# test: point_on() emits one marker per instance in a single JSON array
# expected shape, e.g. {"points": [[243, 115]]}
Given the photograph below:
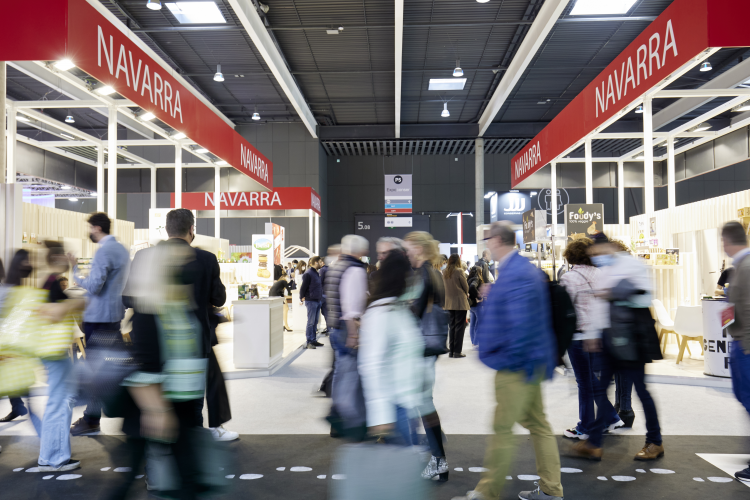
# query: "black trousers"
{"points": [[456, 332], [93, 412], [219, 411]]}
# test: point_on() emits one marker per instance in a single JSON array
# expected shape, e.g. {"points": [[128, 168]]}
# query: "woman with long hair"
{"points": [[422, 250], [456, 303], [475, 301]]}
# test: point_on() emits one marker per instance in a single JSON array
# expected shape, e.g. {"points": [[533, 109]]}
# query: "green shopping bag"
{"points": [[16, 375]]}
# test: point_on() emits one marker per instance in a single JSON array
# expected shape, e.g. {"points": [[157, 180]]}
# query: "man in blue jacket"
{"points": [[311, 294], [515, 338], [104, 308]]}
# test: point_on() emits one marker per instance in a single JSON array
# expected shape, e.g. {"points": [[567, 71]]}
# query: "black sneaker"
{"points": [[310, 346], [743, 475], [83, 426], [10, 416], [316, 343], [70, 465]]}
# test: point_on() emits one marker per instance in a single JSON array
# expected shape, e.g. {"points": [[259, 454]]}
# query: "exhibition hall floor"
{"points": [[280, 420]]}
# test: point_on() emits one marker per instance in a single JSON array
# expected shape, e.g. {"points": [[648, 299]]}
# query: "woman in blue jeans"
{"points": [[475, 301], [579, 282]]}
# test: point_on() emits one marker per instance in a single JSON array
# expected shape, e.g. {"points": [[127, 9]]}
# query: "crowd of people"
{"points": [[387, 324]]}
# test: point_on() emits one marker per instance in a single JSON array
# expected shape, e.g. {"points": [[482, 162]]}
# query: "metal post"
{"points": [[553, 198], [621, 192], [479, 190], [589, 172], [153, 186], [317, 234], [100, 177], [112, 163], [177, 176], [648, 154], [217, 202], [11, 153], [310, 230], [671, 197]]}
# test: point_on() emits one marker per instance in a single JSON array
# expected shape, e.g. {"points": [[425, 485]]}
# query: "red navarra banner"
{"points": [[96, 42], [680, 34], [290, 198]]}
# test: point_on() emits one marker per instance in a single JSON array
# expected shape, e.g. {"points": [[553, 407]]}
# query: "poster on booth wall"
{"points": [[584, 220], [279, 246], [534, 225], [262, 266]]}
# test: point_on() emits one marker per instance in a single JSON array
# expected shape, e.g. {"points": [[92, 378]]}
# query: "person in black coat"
{"points": [[208, 292]]}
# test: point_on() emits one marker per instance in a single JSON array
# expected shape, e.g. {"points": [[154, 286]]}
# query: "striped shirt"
{"points": [[580, 283]]}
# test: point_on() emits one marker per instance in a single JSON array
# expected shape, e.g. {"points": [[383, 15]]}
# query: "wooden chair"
{"points": [[688, 324], [664, 324]]}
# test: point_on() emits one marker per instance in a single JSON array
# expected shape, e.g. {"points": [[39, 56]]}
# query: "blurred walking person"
{"points": [[104, 308], [516, 339], [391, 354], [333, 253], [627, 341], [735, 245], [456, 303], [422, 250], [311, 294], [346, 292], [579, 282], [475, 282]]}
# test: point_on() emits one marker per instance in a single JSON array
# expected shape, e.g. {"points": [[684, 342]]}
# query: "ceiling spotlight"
{"points": [[201, 151], [706, 66], [64, 65], [178, 135], [483, 1], [147, 116], [445, 113], [701, 127], [256, 115], [65, 187], [70, 119], [105, 90], [68, 136], [458, 71], [73, 199], [639, 109], [745, 106], [221, 163], [22, 118], [218, 77], [154, 4], [640, 157]]}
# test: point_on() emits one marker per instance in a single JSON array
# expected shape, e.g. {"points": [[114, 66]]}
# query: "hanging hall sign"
{"points": [[668, 45], [398, 194], [288, 198], [85, 32]]}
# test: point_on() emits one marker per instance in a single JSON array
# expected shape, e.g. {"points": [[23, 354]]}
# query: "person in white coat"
{"points": [[391, 354]]}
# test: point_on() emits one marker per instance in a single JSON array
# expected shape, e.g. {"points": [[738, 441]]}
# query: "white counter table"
{"points": [[258, 332], [716, 340]]}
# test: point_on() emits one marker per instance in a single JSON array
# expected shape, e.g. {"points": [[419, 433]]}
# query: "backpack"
{"points": [[564, 320]]}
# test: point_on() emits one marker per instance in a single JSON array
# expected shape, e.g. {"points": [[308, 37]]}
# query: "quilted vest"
{"points": [[331, 287]]}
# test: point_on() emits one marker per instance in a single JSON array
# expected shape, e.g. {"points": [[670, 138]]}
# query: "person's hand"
{"points": [[301, 301], [159, 424], [72, 259], [484, 290], [592, 345]]}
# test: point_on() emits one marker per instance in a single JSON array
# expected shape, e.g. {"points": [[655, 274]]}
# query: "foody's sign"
{"points": [[584, 221]]}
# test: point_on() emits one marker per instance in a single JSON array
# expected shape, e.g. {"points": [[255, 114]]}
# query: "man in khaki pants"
{"points": [[515, 338]]}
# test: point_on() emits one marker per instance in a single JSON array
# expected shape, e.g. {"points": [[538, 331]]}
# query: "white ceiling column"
{"points": [[589, 174], [153, 187], [399, 42], [11, 144], [310, 231], [317, 234], [621, 191], [648, 154], [112, 163], [553, 196], [671, 196], [251, 21], [217, 202], [177, 176], [545, 20], [100, 178]]}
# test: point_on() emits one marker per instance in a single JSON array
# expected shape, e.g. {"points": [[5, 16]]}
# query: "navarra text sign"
{"points": [[290, 198], [681, 33]]}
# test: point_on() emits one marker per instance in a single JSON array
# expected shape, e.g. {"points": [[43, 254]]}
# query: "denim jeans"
{"points": [[405, 427], [739, 364], [55, 428], [93, 412], [474, 324], [313, 316], [324, 312], [347, 395], [623, 391], [605, 365], [583, 368]]}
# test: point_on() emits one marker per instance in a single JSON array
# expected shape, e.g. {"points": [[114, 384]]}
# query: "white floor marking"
{"points": [[623, 478], [477, 469], [528, 477], [18, 469], [300, 469], [322, 476], [251, 476], [570, 470], [140, 476], [601, 478], [47, 477], [338, 476], [509, 478], [699, 479], [641, 471], [662, 471], [727, 462], [105, 469], [33, 469], [281, 468], [721, 479], [230, 476], [68, 477], [459, 469], [123, 469]]}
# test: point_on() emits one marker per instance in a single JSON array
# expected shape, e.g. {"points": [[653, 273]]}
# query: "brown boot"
{"points": [[650, 452], [584, 449]]}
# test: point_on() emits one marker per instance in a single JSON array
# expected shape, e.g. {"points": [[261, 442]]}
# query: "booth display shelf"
{"points": [[258, 332]]}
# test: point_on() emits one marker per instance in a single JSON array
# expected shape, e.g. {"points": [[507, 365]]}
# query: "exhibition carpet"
{"points": [[681, 474]]}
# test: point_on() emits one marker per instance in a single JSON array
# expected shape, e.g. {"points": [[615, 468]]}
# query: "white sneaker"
{"points": [[616, 425], [221, 434]]}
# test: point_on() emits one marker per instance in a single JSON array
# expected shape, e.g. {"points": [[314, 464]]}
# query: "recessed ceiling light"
{"points": [[639, 109], [178, 136], [640, 157], [221, 163], [601, 7], [196, 12], [201, 151], [73, 199], [483, 1], [706, 66], [65, 187], [700, 128], [105, 90], [147, 116], [64, 65], [745, 106], [67, 136], [447, 83], [332, 32]]}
